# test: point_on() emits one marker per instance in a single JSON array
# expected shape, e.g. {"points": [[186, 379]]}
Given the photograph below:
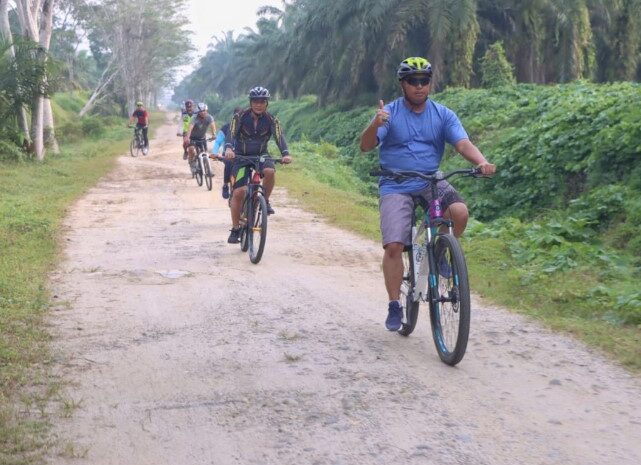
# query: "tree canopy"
{"points": [[347, 50]]}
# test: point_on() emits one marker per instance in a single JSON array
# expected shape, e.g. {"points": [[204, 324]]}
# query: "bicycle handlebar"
{"points": [[252, 158], [437, 176]]}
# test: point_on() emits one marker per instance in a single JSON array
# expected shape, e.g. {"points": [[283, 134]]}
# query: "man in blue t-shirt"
{"points": [[411, 133]]}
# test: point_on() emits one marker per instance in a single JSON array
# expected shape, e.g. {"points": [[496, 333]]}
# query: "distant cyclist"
{"points": [[141, 116], [249, 133], [187, 111], [217, 149], [411, 133], [196, 135]]}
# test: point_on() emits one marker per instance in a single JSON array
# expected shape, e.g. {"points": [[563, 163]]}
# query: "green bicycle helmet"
{"points": [[139, 103], [414, 66]]}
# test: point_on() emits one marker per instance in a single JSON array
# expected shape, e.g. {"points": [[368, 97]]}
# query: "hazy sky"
{"points": [[213, 17]]}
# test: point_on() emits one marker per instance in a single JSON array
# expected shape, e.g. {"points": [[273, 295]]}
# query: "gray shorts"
{"points": [[396, 211]]}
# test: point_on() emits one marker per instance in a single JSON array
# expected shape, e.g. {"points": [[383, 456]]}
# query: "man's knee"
{"points": [[394, 249], [458, 212], [191, 152], [269, 173], [239, 192]]}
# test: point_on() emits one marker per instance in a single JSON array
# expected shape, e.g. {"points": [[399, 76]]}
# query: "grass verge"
{"points": [[327, 187], [564, 301], [33, 201]]}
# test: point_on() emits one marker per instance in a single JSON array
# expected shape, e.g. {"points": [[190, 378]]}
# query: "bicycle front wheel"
{"points": [[245, 220], [257, 229], [199, 172], [208, 174], [133, 148], [450, 300]]}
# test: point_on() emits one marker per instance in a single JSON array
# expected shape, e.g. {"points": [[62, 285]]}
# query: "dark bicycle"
{"points": [[435, 272], [253, 216], [137, 145]]}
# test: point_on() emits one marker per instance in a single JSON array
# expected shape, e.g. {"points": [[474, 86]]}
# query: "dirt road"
{"points": [[179, 351]]}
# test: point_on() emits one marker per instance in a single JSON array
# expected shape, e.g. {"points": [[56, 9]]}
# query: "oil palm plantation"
{"points": [[347, 50]]}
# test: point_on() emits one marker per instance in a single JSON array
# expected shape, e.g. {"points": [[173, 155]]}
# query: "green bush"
{"points": [[496, 70], [92, 126], [10, 152], [69, 132]]}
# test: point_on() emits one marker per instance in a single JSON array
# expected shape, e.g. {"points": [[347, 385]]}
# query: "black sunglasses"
{"points": [[415, 81]]}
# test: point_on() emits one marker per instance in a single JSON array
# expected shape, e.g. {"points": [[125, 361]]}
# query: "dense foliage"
{"points": [[347, 50], [21, 80]]}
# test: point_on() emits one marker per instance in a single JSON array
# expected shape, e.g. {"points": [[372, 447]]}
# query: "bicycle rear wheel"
{"points": [[208, 174], [257, 229], [407, 294], [450, 300]]}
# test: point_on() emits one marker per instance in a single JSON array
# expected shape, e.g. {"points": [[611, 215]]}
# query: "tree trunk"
{"points": [[98, 91], [46, 28], [5, 33], [49, 134], [37, 129], [28, 12]]}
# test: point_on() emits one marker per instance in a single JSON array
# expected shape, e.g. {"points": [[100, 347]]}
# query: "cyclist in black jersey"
{"points": [[249, 133]]}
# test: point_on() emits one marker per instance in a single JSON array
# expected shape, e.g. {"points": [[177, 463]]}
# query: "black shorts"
{"points": [[200, 144], [241, 172]]}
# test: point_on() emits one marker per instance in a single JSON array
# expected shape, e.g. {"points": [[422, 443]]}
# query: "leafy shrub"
{"points": [[69, 132], [10, 152], [92, 126], [496, 70], [327, 150]]}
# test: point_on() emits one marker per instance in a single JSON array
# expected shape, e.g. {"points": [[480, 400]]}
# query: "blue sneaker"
{"points": [[444, 268], [394, 316], [225, 191]]}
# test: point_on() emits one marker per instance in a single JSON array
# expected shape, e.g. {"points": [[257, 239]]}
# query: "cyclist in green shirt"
{"points": [[187, 111]]}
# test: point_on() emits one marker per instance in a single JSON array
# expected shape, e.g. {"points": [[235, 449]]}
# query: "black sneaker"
{"points": [[234, 236], [270, 210], [225, 191]]}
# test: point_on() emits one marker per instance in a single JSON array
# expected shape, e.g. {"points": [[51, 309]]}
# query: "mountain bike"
{"points": [[435, 272], [137, 145], [200, 166], [253, 216]]}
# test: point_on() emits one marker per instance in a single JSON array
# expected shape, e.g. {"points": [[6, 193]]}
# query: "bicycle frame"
{"points": [[138, 136], [201, 160], [431, 223]]}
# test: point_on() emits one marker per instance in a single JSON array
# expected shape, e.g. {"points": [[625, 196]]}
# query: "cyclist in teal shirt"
{"points": [[219, 145], [411, 133]]}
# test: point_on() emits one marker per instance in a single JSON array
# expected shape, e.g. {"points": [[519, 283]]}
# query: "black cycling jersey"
{"points": [[249, 138]]}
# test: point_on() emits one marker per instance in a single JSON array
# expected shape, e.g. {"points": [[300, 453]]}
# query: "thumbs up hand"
{"points": [[382, 116]]}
